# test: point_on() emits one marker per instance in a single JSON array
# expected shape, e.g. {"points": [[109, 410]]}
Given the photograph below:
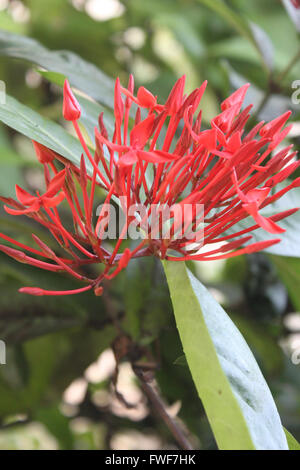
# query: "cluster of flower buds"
{"points": [[158, 155]]}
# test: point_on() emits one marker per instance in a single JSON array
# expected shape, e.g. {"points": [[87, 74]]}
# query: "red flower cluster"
{"points": [[224, 168]]}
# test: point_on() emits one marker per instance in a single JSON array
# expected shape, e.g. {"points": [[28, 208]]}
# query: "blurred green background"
{"points": [[56, 390]]}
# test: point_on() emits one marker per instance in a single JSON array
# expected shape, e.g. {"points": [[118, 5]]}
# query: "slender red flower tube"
{"points": [[155, 169]]}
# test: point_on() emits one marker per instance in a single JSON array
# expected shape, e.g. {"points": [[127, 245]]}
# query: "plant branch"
{"points": [[124, 347], [160, 407], [275, 84]]}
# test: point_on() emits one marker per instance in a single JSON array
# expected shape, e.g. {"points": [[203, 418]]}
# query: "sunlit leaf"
{"points": [[33, 125], [293, 444], [236, 398]]}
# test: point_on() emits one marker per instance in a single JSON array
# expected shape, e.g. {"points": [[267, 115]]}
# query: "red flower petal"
{"points": [[224, 120], [145, 98], [35, 207], [236, 99], [119, 105], [53, 201], [56, 184], [157, 156], [141, 132], [263, 222], [175, 98], [128, 159], [24, 197]]}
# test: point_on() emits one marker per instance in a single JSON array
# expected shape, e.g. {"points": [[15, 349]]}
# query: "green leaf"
{"points": [[237, 400], [293, 444], [263, 345], [11, 166], [184, 31], [52, 135], [46, 132], [57, 424], [49, 364], [40, 361], [240, 24], [24, 317], [34, 126], [81, 74], [181, 361], [136, 291], [289, 272]]}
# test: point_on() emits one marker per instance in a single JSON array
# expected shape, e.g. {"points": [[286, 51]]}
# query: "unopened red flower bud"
{"points": [[175, 99], [44, 154], [16, 254], [98, 291], [36, 291], [118, 103], [102, 127], [71, 107], [83, 173]]}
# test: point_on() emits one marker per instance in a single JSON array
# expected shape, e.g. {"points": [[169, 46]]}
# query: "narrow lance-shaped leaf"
{"points": [[33, 125], [236, 398], [81, 74], [59, 65], [52, 135]]}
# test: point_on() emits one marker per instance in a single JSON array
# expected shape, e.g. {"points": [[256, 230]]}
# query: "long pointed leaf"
{"points": [[237, 400], [33, 125], [81, 74]]}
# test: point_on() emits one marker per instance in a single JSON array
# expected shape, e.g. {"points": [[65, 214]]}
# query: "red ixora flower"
{"points": [[166, 159]]}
